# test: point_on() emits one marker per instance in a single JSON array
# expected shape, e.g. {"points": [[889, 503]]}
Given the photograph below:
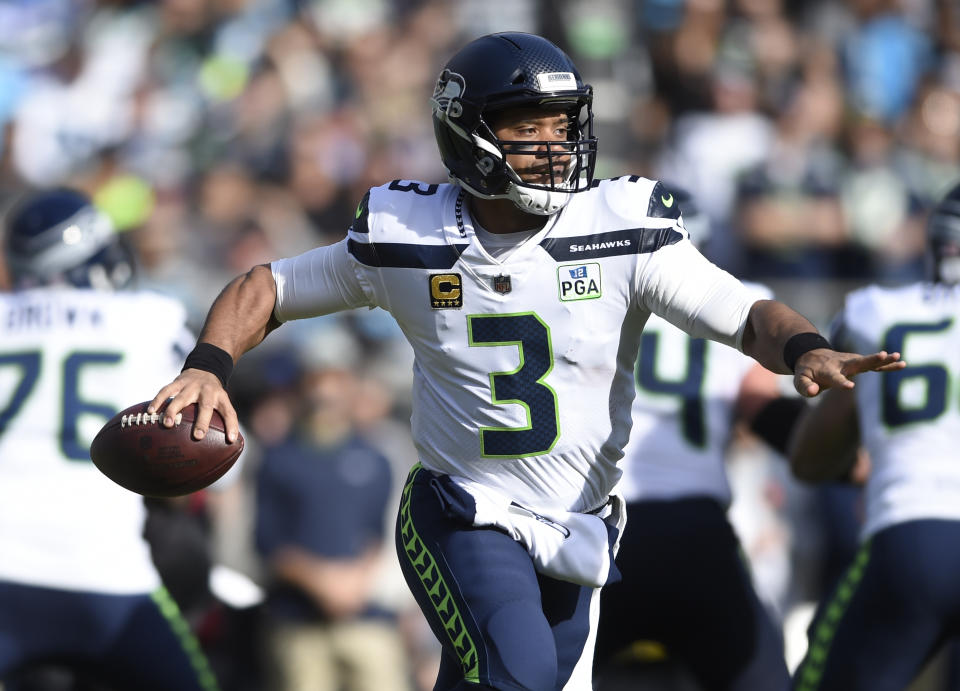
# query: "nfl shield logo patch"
{"points": [[501, 284]]}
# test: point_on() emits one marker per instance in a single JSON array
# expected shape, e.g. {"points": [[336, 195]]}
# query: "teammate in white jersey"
{"points": [[900, 598], [523, 287], [685, 586], [78, 588]]}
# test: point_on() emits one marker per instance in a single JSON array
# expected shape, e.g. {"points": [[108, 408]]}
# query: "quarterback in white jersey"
{"points": [[900, 599], [523, 287], [77, 583], [523, 373]]}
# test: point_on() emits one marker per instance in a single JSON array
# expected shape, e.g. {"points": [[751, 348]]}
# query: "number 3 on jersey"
{"points": [[523, 386]]}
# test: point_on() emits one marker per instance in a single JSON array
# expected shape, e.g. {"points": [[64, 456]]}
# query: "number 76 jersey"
{"points": [[523, 364], [69, 361]]}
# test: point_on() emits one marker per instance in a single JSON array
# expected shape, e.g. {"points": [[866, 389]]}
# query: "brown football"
{"points": [[134, 450]]}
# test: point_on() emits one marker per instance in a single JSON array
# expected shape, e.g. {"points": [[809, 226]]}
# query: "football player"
{"points": [[900, 597], [522, 286], [78, 588], [685, 585]]}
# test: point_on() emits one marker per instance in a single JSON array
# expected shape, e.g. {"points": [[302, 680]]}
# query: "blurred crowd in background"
{"points": [[218, 134]]}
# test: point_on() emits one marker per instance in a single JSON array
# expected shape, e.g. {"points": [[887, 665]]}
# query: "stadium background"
{"points": [[223, 133]]}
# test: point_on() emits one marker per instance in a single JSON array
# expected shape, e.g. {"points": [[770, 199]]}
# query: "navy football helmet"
{"points": [[508, 70], [58, 236], [943, 238]]}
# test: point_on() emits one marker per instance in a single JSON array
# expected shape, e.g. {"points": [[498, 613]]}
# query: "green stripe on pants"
{"points": [[437, 590], [810, 671], [191, 646]]}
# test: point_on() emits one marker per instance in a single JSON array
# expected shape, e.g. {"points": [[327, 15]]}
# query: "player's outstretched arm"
{"points": [[239, 319], [825, 442], [780, 339]]}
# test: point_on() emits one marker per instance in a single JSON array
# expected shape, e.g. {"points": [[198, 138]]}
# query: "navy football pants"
{"points": [[685, 587], [125, 641], [501, 624], [896, 604]]}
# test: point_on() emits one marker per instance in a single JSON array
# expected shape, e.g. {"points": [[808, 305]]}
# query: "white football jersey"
{"points": [[523, 371], [687, 391], [70, 360], [909, 419]]}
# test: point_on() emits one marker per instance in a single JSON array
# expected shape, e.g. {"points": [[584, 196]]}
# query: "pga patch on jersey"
{"points": [[578, 282]]}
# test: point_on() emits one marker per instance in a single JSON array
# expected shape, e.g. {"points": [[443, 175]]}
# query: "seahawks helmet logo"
{"points": [[446, 96]]}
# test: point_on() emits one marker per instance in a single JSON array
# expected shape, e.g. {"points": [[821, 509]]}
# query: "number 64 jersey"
{"points": [[523, 369], [909, 418]]}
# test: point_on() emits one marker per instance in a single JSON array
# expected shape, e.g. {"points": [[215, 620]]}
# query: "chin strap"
{"points": [[539, 202]]}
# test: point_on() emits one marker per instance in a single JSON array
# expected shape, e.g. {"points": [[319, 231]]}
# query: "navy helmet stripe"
{"points": [[405, 256], [615, 243]]}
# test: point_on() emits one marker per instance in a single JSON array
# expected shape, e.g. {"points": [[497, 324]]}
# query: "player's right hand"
{"points": [[204, 389], [823, 368]]}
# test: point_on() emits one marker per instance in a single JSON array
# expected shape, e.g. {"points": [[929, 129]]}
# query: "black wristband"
{"points": [[798, 344], [210, 358]]}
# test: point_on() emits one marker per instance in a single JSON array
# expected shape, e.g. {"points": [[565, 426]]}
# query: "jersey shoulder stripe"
{"points": [[626, 215], [625, 202], [611, 244], [637, 197], [405, 212], [402, 255], [402, 225]]}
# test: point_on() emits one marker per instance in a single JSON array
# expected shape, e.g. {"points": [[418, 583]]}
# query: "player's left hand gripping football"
{"points": [[203, 388], [822, 368]]}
